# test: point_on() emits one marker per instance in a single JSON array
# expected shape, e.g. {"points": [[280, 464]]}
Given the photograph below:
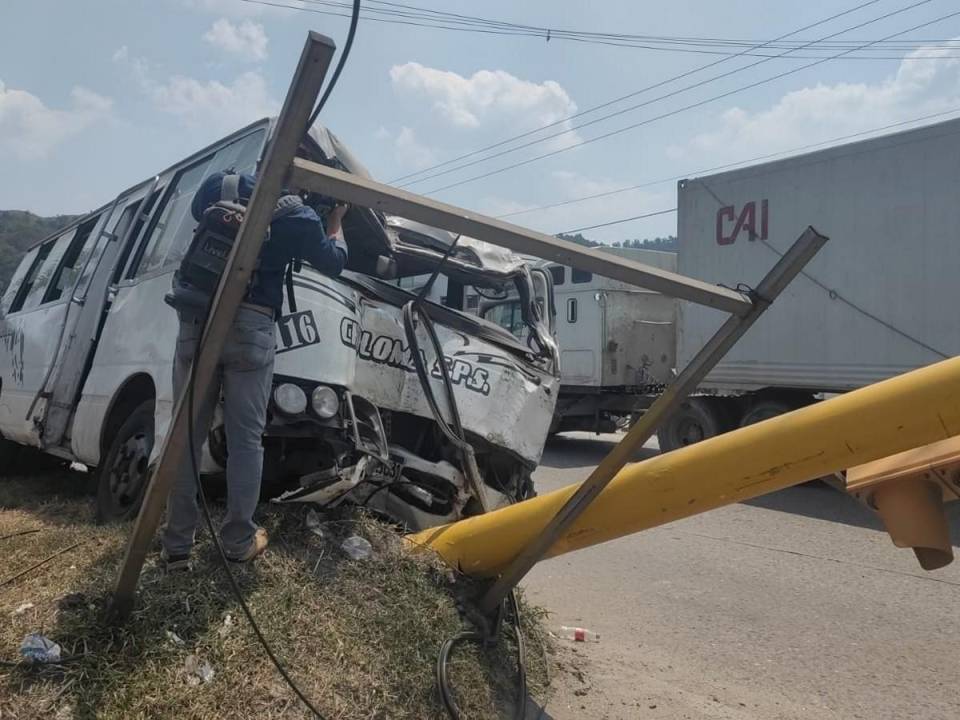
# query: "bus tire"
{"points": [[123, 474], [9, 456]]}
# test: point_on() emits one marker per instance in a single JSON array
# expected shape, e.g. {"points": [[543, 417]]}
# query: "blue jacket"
{"points": [[300, 234]]}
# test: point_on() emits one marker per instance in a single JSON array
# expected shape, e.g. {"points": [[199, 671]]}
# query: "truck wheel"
{"points": [[122, 476], [764, 410], [697, 419]]}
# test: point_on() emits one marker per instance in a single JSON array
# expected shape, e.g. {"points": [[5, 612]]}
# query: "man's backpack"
{"points": [[199, 273]]}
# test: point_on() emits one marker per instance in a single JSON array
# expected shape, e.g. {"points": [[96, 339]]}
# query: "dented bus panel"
{"points": [[87, 347]]}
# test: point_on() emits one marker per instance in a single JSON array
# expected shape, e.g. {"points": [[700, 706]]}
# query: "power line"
{"points": [[726, 166], [682, 109], [616, 100], [659, 42], [643, 104], [618, 222]]}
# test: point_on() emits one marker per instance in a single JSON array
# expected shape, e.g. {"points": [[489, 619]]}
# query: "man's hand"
{"points": [[335, 218]]}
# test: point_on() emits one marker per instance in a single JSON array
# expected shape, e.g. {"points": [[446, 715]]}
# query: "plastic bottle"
{"points": [[578, 634]]}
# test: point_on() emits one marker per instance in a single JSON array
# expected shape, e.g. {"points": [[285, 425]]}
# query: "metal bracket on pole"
{"points": [[789, 265], [289, 131]]}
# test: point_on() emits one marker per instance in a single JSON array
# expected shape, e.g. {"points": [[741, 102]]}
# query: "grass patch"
{"points": [[359, 637]]}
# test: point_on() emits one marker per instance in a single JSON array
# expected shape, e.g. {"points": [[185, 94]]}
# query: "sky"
{"points": [[98, 95]]}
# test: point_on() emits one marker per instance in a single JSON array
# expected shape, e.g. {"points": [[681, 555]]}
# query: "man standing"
{"points": [[245, 370]]}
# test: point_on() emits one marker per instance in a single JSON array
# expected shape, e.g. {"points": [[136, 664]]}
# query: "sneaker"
{"points": [[174, 563], [257, 546]]}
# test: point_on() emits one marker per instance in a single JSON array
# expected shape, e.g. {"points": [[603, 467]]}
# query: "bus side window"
{"points": [[74, 260], [26, 264], [171, 234], [580, 276], [35, 284], [558, 272], [137, 229]]}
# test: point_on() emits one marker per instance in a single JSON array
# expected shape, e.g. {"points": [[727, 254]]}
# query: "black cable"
{"points": [[225, 562], [355, 17]]}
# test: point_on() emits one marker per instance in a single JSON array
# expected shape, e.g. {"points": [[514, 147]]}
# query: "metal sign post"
{"points": [[290, 129], [789, 265]]}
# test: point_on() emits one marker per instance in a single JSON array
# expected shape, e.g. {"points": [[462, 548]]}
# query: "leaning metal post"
{"points": [[290, 129], [789, 265]]}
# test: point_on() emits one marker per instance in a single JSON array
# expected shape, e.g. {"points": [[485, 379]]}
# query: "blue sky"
{"points": [[99, 94]]}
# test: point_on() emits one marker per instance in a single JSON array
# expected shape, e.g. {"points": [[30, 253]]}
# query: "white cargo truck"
{"points": [[869, 306]]}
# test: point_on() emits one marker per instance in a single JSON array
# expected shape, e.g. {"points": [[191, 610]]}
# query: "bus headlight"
{"points": [[290, 399], [324, 402]]}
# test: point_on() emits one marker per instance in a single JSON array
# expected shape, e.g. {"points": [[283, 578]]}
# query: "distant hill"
{"points": [[19, 229]]}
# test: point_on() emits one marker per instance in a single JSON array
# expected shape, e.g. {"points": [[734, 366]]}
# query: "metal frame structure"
{"points": [[281, 168]]}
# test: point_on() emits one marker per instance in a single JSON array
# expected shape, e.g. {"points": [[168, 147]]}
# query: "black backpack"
{"points": [[199, 273]]}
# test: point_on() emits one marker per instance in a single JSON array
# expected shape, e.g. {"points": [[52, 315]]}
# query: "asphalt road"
{"points": [[794, 605]]}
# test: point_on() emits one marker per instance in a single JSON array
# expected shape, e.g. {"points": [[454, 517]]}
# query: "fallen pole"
{"points": [[902, 413]]}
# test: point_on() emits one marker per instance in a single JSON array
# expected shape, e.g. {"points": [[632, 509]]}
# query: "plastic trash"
{"points": [[313, 523], [21, 609], [198, 671], [578, 634], [227, 626], [174, 638], [357, 548], [39, 649]]}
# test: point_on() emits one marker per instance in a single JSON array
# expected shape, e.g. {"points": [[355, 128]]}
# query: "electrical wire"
{"points": [[354, 19], [676, 111], [715, 168], [439, 20], [617, 222], [614, 101], [224, 560], [457, 437]]}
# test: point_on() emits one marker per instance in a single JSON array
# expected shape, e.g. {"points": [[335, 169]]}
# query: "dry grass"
{"points": [[360, 637]]}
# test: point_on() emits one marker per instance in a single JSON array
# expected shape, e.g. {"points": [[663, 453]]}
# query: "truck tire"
{"points": [[697, 419], [764, 410], [122, 476]]}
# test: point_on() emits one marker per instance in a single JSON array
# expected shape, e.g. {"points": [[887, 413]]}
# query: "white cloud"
{"points": [[561, 185], [410, 153], [488, 98], [30, 130], [246, 39], [927, 84], [214, 104]]}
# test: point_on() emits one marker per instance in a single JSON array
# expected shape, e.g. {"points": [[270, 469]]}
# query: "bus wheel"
{"points": [[9, 455], [123, 474], [697, 419]]}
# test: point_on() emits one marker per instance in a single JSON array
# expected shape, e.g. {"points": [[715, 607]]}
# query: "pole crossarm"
{"points": [[369, 193]]}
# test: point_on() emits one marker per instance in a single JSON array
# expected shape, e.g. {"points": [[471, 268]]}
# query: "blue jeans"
{"points": [[245, 374]]}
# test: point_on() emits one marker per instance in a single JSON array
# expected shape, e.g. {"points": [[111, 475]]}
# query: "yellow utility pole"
{"points": [[899, 414]]}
